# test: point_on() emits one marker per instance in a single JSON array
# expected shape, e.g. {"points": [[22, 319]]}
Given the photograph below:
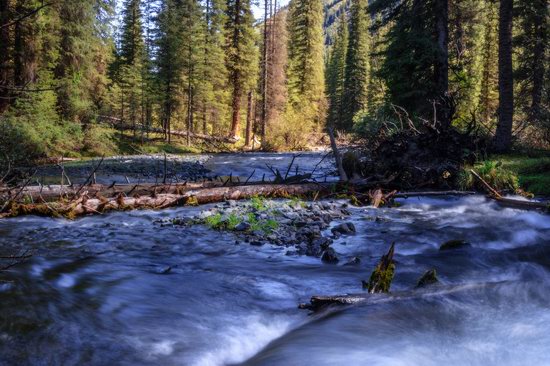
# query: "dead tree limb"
{"points": [[337, 157]]}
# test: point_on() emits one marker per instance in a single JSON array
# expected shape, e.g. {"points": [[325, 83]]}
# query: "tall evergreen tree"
{"points": [[212, 93], [335, 73], [532, 43], [415, 66], [503, 136], [305, 61], [357, 64], [240, 52], [131, 60], [169, 62]]}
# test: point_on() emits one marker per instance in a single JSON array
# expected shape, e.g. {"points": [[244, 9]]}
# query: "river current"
{"points": [[121, 289]]}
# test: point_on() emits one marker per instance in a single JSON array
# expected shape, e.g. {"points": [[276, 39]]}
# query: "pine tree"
{"points": [[532, 47], [212, 93], [335, 73], [415, 63], [503, 136], [240, 52], [488, 98], [305, 62], [357, 64], [131, 63], [169, 60]]}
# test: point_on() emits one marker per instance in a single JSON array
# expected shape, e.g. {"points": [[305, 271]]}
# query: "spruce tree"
{"points": [[335, 73], [503, 135], [531, 44], [240, 56], [305, 62], [357, 64], [414, 67], [131, 60]]}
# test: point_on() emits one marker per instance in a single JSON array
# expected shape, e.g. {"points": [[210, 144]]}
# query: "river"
{"points": [[97, 291]]}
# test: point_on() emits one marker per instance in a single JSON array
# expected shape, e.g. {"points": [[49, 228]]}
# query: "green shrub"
{"points": [[99, 140], [493, 173]]}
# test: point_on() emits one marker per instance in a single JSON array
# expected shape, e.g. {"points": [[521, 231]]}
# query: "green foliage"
{"points": [[266, 226], [305, 74], [410, 57], [335, 73], [357, 64], [258, 203], [99, 140], [493, 173]]}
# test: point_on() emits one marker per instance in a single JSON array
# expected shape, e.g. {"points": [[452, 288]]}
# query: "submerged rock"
{"points": [[454, 244], [353, 261], [345, 228], [429, 278], [329, 256]]}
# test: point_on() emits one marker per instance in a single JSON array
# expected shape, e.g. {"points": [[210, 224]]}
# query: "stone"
{"points": [[429, 278], [329, 256], [345, 228], [454, 244], [243, 226], [353, 261]]}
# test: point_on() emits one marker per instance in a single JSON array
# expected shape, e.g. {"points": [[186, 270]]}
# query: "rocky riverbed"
{"points": [[135, 168], [304, 228]]}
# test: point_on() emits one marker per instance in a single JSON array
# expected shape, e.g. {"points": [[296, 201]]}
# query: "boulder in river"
{"points": [[329, 256], [345, 228], [429, 278]]}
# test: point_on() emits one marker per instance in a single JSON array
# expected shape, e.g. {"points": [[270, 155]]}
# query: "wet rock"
{"points": [[454, 244], [429, 278], [256, 243], [329, 256], [345, 228], [163, 270], [322, 242], [353, 261], [243, 226]]}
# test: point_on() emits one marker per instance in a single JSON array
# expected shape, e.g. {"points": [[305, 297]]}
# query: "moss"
{"points": [[380, 279], [192, 201]]}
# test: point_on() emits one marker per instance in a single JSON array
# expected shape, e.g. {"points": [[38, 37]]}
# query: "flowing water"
{"points": [[121, 289]]}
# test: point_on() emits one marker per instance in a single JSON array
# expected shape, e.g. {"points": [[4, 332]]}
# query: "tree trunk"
{"points": [[503, 136], [249, 116], [5, 17], [442, 69]]}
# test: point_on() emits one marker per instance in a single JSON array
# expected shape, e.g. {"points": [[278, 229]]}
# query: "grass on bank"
{"points": [[529, 171]]}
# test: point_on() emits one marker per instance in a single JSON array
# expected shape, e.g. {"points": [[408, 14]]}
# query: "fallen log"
{"points": [[321, 302], [50, 193], [85, 205]]}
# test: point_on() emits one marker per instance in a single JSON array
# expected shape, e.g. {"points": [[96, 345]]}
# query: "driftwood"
{"points": [[318, 303], [337, 156], [382, 276]]}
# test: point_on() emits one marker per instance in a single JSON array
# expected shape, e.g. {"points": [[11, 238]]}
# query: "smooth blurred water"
{"points": [[93, 292]]}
